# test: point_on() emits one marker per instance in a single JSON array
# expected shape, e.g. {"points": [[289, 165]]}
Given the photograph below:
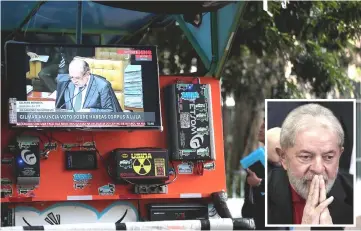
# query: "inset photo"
{"points": [[310, 174]]}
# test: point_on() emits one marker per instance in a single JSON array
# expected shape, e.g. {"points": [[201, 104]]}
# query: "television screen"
{"points": [[81, 86]]}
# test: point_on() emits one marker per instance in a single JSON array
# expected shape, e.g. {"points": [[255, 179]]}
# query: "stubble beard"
{"points": [[301, 185]]}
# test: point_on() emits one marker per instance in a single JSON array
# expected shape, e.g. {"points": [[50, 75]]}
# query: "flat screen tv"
{"points": [[82, 86]]}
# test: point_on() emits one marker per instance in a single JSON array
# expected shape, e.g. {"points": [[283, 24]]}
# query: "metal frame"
{"points": [[193, 41], [216, 64], [79, 23], [241, 6]]}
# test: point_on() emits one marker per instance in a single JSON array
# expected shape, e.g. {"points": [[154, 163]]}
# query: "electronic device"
{"points": [[27, 161], [141, 166], [164, 212], [7, 215], [80, 160], [190, 123], [122, 90], [255, 161]]}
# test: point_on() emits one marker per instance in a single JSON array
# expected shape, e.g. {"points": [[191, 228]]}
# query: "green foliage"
{"points": [[175, 53], [313, 36]]}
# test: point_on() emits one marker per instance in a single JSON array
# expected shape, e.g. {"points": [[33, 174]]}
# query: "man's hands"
{"points": [[32, 55], [252, 178], [316, 211], [325, 217]]}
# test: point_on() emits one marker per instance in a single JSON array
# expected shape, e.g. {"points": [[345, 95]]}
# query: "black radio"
{"points": [[190, 123], [141, 166]]}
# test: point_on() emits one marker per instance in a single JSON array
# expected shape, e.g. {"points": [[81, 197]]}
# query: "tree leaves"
{"points": [[312, 35]]}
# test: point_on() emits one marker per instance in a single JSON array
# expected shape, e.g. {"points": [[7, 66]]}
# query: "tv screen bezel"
{"points": [[157, 105]]}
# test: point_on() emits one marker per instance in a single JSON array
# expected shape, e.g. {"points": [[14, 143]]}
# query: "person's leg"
{"points": [[48, 75]]}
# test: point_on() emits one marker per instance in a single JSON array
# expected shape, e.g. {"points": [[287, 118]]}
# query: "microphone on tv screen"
{"points": [[71, 98]]}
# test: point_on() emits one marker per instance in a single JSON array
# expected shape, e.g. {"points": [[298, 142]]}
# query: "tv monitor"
{"points": [[82, 86]]}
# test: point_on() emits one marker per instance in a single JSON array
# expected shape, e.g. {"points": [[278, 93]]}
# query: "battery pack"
{"points": [[190, 123], [80, 160], [27, 160], [141, 166]]}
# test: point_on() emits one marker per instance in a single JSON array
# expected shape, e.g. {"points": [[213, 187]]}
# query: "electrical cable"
{"points": [[106, 163]]}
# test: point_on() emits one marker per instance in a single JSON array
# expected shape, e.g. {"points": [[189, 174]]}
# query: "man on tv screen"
{"points": [[81, 91]]}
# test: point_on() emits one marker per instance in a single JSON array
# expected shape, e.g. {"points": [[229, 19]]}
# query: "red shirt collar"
{"points": [[296, 197], [298, 204]]}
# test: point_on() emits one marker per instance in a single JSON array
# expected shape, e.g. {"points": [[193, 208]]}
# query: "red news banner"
{"points": [[80, 124], [140, 55]]}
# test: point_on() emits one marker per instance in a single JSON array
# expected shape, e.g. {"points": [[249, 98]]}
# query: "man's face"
{"points": [[78, 77], [316, 152]]}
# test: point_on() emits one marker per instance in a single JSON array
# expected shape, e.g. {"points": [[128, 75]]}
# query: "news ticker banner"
{"points": [[91, 117], [45, 112]]}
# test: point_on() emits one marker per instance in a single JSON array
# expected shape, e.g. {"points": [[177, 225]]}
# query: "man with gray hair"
{"points": [[81, 91], [309, 189]]}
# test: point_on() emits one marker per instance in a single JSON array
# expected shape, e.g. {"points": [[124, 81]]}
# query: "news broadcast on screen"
{"points": [[82, 86]]}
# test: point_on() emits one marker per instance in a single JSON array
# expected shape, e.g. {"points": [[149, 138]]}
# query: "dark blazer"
{"points": [[280, 209], [256, 209], [100, 96]]}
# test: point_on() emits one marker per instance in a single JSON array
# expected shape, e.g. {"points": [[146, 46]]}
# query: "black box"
{"points": [[144, 166], [27, 160], [190, 122], [166, 212], [80, 160]]}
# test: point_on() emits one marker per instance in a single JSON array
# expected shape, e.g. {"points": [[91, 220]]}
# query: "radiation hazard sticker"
{"points": [[142, 166]]}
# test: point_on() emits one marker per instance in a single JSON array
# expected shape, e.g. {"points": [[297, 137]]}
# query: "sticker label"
{"points": [[82, 177], [203, 131], [185, 120], [6, 191], [185, 152], [203, 152], [141, 163], [185, 168], [182, 139], [201, 107], [210, 166], [6, 181], [69, 146], [125, 164], [202, 117], [159, 164], [7, 160], [78, 186], [28, 191], [191, 96], [50, 146], [108, 189]]}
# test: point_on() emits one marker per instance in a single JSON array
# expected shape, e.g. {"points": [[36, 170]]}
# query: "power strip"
{"points": [[150, 189]]}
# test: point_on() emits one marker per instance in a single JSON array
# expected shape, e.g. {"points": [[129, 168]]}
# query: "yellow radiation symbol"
{"points": [[142, 166]]}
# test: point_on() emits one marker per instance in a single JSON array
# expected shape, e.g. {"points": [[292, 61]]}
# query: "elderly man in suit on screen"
{"points": [[81, 91]]}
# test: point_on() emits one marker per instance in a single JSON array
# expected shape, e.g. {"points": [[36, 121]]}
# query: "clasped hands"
{"points": [[316, 208]]}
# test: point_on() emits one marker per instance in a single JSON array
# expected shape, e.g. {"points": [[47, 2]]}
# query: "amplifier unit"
{"points": [[141, 166], [27, 160], [164, 212], [190, 123]]}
